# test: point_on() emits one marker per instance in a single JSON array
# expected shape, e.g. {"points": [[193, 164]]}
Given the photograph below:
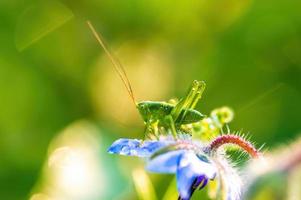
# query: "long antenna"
{"points": [[116, 63]]}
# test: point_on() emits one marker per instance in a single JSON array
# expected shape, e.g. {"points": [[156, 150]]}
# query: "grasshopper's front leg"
{"points": [[151, 129], [189, 101]]}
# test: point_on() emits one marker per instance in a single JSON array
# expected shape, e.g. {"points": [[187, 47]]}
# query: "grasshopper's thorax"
{"points": [[154, 110]]}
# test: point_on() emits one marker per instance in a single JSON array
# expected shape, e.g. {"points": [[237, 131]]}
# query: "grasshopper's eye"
{"points": [[143, 108]]}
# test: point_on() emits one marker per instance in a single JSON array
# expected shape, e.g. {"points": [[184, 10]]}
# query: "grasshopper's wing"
{"points": [[189, 101], [116, 63]]}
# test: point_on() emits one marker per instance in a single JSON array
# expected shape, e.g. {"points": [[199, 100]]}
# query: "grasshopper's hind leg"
{"points": [[189, 101]]}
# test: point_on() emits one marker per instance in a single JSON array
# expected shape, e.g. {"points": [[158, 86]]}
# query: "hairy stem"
{"points": [[236, 140]]}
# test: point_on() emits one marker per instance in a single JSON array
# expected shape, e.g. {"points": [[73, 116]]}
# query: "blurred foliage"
{"points": [[277, 176], [248, 52], [38, 20]]}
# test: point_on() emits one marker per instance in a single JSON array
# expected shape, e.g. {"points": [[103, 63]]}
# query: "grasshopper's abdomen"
{"points": [[190, 117], [157, 111]]}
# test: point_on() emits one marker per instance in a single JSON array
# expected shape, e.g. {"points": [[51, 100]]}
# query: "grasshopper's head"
{"points": [[144, 110]]}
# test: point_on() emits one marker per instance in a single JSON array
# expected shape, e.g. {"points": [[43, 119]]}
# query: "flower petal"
{"points": [[153, 146], [134, 147], [185, 180], [124, 146], [165, 163], [198, 165], [190, 167]]}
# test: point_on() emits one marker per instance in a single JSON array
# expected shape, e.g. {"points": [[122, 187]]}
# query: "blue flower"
{"points": [[192, 169], [184, 158]]}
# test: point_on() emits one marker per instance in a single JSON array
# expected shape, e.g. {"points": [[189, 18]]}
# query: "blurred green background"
{"points": [[62, 104]]}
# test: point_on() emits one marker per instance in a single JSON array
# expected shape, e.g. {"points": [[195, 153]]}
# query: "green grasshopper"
{"points": [[159, 115]]}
